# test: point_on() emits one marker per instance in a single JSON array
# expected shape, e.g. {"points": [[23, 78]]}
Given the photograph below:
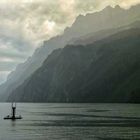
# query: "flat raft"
{"points": [[12, 118]]}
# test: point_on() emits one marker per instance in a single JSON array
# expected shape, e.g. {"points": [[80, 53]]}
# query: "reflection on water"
{"points": [[13, 123], [71, 122]]}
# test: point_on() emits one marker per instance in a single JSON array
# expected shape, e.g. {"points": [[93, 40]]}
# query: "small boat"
{"points": [[13, 116]]}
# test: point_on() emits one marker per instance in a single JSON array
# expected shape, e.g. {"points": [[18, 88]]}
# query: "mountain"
{"points": [[92, 37], [91, 23], [107, 70]]}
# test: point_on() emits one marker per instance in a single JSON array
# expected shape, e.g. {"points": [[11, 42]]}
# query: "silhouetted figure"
{"points": [[13, 110]]}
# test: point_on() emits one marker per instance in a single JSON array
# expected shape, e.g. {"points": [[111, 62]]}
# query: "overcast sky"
{"points": [[24, 24]]}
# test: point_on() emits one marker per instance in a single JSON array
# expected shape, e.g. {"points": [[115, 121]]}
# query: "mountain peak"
{"points": [[118, 7], [108, 8]]}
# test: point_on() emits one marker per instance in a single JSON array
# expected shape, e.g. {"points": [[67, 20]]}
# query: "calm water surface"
{"points": [[71, 122]]}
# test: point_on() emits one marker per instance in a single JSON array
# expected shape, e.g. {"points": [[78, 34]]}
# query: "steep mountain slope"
{"points": [[104, 71], [92, 37], [91, 23]]}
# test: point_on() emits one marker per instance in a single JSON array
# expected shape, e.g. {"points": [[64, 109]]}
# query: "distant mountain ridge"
{"points": [[89, 24], [92, 37], [104, 71]]}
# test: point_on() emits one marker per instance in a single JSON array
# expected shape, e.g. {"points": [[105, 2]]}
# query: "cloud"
{"points": [[24, 24], [128, 3], [7, 66]]}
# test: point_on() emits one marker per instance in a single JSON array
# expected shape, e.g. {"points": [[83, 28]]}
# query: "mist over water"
{"points": [[71, 122]]}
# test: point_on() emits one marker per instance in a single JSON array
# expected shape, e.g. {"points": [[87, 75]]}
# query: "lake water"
{"points": [[71, 122]]}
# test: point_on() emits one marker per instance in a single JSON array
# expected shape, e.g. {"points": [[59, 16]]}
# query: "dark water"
{"points": [[72, 122]]}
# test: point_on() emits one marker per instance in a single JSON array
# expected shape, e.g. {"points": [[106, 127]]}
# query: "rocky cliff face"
{"points": [[91, 23], [104, 71]]}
